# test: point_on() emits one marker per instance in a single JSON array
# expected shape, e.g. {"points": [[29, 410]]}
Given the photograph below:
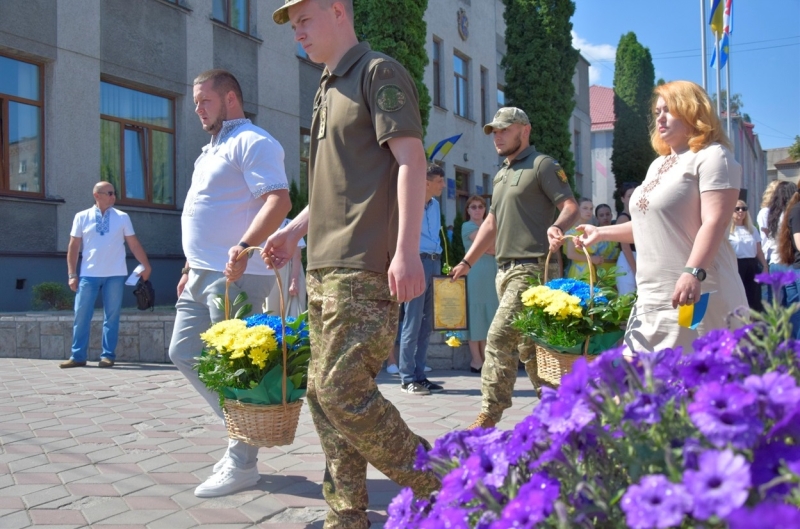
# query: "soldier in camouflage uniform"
{"points": [[527, 191], [366, 187]]}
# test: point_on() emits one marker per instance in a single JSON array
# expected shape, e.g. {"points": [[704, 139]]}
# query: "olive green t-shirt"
{"points": [[524, 200], [368, 99]]}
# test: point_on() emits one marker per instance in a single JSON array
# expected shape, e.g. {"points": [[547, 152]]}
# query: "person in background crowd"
{"points": [[763, 213], [608, 250], [483, 301], [776, 207], [578, 268], [679, 222], [746, 242], [788, 244], [103, 230], [626, 261]]}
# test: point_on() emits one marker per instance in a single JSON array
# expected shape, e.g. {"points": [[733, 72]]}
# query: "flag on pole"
{"points": [[727, 17], [442, 147], [690, 316], [727, 21], [723, 52], [715, 20]]}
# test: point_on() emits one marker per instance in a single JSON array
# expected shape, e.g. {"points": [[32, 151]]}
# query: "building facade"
{"points": [[603, 119], [102, 89]]}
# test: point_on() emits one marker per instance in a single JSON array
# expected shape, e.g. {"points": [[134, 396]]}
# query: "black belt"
{"points": [[431, 256], [514, 262]]}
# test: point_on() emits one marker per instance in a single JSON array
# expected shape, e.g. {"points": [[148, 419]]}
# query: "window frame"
{"points": [[5, 147], [464, 191], [484, 95], [227, 21], [436, 65], [456, 93], [128, 124]]}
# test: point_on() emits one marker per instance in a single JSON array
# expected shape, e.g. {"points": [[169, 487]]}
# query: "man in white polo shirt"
{"points": [[238, 197], [103, 230]]}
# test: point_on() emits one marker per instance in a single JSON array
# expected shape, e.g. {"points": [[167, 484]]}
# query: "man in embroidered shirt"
{"points": [[103, 230], [417, 322], [528, 191], [238, 196], [364, 216]]}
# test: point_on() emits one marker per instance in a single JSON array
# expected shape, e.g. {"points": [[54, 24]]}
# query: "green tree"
{"points": [[794, 150], [398, 29], [298, 194], [634, 76], [540, 63], [736, 102]]}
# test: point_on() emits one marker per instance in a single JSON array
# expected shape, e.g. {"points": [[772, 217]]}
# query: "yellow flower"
{"points": [[453, 342], [222, 336]]}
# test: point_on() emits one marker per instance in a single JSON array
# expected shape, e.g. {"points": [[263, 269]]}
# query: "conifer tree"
{"points": [[540, 63], [398, 29], [634, 76]]}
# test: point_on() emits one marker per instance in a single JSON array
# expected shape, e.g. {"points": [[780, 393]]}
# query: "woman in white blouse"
{"points": [[746, 242]]}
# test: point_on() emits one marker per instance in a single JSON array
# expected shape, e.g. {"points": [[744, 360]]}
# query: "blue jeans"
{"points": [[88, 288], [791, 295], [416, 327]]}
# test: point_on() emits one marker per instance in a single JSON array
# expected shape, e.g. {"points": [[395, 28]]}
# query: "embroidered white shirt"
{"points": [[103, 238]]}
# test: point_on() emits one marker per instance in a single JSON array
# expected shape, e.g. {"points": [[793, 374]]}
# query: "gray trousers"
{"points": [[196, 313]]}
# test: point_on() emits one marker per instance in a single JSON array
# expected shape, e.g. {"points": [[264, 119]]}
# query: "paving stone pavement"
{"points": [[125, 448]]}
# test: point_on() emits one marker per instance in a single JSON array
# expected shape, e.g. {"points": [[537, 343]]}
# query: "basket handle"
{"points": [[591, 280], [282, 310]]}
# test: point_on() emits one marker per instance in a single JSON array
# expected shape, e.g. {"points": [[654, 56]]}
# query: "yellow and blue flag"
{"points": [[442, 147], [716, 19], [690, 316], [723, 52]]}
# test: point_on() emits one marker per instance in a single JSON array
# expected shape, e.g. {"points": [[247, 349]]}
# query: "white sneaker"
{"points": [[428, 369], [221, 463], [228, 480], [392, 369]]}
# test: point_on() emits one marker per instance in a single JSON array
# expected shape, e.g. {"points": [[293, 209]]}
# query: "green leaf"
{"points": [[241, 298], [243, 311]]}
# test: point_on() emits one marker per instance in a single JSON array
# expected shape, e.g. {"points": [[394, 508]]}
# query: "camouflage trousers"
{"points": [[505, 345], [352, 324]]}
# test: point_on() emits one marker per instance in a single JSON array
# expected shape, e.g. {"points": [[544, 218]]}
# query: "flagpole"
{"points": [[703, 54], [719, 87], [728, 85]]}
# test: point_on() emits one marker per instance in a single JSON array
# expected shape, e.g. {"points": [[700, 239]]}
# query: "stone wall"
{"points": [[143, 337]]}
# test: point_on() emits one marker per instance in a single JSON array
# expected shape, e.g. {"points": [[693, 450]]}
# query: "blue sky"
{"points": [[764, 59]]}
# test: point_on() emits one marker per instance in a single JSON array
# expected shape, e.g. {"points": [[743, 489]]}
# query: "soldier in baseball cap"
{"points": [[505, 117], [281, 15]]}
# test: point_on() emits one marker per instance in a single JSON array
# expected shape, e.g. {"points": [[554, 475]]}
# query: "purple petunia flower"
{"points": [[402, 511], [457, 487], [776, 392], [719, 485], [526, 434], [763, 515], [533, 504], [789, 426], [644, 408], [446, 518], [767, 461], [725, 413], [573, 385], [655, 503], [607, 369], [776, 280]]}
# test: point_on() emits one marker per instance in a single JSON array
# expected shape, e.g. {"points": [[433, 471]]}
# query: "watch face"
{"points": [[700, 274]]}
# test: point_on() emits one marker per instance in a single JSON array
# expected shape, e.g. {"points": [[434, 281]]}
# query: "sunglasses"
{"points": [[109, 193], [738, 208]]}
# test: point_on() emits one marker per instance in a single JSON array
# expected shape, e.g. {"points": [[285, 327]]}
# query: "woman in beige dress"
{"points": [[680, 219]]}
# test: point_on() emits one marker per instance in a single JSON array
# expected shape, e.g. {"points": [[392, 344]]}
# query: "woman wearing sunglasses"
{"points": [[746, 242]]}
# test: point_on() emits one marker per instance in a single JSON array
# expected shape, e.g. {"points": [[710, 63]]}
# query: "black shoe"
{"points": [[414, 388], [473, 370], [430, 386]]}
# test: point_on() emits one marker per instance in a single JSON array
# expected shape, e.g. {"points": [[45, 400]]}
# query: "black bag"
{"points": [[145, 295]]}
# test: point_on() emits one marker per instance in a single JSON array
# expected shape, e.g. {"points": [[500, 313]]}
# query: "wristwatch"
{"points": [[185, 270], [698, 273], [72, 276]]}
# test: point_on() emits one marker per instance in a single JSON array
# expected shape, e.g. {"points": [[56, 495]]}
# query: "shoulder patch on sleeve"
{"points": [[562, 175], [385, 72], [390, 98]]}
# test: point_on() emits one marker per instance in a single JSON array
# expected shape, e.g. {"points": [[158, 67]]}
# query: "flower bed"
{"points": [[707, 439]]}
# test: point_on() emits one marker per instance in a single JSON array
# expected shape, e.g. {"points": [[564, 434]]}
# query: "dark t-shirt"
{"points": [[794, 227], [366, 101], [633, 246]]}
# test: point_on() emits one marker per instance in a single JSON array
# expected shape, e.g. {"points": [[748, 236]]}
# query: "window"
{"points": [[461, 72], [576, 138], [20, 127], [501, 96], [305, 147], [234, 13], [487, 182], [462, 188], [437, 73], [137, 145], [484, 88]]}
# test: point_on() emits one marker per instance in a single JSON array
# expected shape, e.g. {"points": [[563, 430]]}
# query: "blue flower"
{"points": [[767, 514], [274, 322], [719, 485], [655, 503], [725, 413], [577, 288]]}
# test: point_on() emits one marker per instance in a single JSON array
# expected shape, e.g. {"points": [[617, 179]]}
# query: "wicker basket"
{"points": [[551, 365], [263, 425]]}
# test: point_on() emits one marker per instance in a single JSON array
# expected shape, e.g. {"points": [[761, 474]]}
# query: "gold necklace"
{"points": [[644, 203]]}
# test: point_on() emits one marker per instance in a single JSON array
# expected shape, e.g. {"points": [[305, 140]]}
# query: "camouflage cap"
{"points": [[506, 116], [281, 15]]}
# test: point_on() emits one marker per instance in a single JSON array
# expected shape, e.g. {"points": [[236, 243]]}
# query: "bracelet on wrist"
{"points": [[72, 276], [557, 226], [244, 245], [466, 263]]}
